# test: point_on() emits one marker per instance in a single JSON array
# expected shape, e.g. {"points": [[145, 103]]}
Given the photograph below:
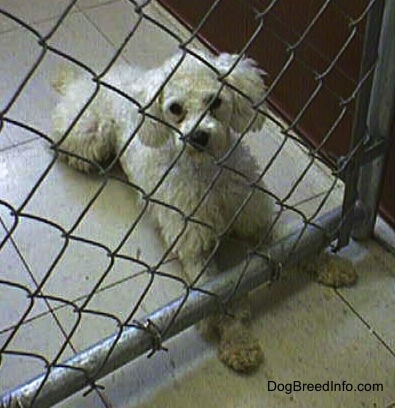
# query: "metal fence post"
{"points": [[351, 170], [380, 125]]}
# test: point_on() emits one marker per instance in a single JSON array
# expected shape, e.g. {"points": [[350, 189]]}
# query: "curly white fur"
{"points": [[169, 139]]}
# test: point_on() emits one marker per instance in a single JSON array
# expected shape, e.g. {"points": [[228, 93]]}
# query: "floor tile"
{"points": [[376, 268], [23, 52], [75, 37], [106, 224], [87, 326], [42, 339], [309, 336], [78, 38], [385, 234], [30, 12], [84, 4], [317, 191], [16, 288], [148, 47], [291, 166], [138, 381], [102, 314], [132, 384], [5, 139]]}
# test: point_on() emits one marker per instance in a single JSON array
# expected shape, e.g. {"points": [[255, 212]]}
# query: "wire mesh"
{"points": [[96, 263]]}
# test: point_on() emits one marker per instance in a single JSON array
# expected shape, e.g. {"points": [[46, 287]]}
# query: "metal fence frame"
{"points": [[362, 174], [380, 123]]}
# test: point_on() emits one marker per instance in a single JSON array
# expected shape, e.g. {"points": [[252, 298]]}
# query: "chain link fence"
{"points": [[137, 328]]}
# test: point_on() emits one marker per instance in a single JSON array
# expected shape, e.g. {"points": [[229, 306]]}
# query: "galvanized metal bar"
{"points": [[351, 176], [119, 349], [381, 124]]}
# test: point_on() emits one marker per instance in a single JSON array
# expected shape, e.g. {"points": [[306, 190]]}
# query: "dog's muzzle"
{"points": [[198, 139]]}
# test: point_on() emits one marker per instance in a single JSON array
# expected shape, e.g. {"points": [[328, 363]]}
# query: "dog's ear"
{"points": [[246, 79], [153, 132]]}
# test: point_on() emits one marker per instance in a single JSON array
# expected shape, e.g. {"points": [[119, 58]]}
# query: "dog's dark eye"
{"points": [[215, 103], [176, 109]]}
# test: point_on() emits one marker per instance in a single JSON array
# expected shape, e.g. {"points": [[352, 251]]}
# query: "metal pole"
{"points": [[117, 350], [352, 171], [381, 125]]}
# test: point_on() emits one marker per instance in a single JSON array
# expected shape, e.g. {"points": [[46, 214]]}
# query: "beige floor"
{"points": [[310, 333]]}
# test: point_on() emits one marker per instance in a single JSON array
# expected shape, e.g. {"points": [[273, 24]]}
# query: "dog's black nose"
{"points": [[199, 139]]}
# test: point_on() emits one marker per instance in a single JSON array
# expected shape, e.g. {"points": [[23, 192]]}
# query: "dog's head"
{"points": [[195, 103]]}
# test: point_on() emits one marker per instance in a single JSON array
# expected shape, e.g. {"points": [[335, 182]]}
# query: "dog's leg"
{"points": [[254, 222], [192, 243], [91, 139], [331, 270], [238, 348]]}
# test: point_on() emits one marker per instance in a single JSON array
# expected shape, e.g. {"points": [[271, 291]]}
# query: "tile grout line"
{"points": [[30, 273], [22, 143], [387, 246], [95, 26], [77, 9], [36, 22], [80, 298], [97, 5], [371, 330], [51, 311]]}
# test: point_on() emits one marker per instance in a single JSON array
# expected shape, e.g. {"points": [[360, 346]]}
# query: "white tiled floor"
{"points": [[310, 333]]}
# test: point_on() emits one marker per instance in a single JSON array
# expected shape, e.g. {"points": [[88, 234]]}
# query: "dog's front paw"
{"points": [[241, 352], [331, 270]]}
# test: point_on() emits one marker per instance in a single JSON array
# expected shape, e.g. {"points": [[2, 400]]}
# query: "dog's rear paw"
{"points": [[241, 352], [331, 270]]}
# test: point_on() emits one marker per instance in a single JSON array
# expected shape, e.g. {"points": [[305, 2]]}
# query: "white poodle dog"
{"points": [[176, 132]]}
